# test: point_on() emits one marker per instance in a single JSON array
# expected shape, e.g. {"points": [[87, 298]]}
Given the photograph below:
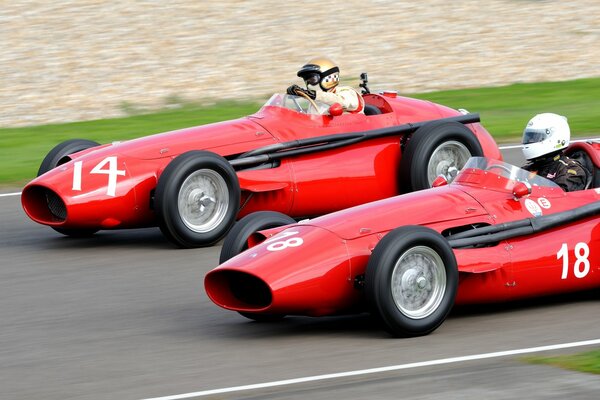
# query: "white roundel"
{"points": [[544, 203], [533, 207]]}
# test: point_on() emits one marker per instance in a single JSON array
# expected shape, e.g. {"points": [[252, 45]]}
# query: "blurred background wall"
{"points": [[86, 59]]}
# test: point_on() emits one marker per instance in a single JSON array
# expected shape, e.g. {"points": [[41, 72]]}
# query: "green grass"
{"points": [[584, 362], [22, 149], [504, 112]]}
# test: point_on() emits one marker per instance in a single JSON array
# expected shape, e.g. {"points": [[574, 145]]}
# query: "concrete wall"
{"points": [[76, 60]]}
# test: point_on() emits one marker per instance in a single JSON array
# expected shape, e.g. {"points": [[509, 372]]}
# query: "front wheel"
{"points": [[411, 281], [236, 240], [436, 149], [197, 199]]}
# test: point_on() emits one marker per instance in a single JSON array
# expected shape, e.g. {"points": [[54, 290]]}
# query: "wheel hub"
{"points": [[203, 200], [447, 159], [418, 282]]}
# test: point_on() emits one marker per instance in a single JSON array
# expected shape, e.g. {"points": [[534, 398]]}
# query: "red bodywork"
{"points": [[112, 186], [315, 267]]}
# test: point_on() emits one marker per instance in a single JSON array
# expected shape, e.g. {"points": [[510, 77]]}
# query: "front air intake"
{"points": [[44, 205], [238, 290]]}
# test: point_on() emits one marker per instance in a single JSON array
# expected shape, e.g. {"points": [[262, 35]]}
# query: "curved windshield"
{"points": [[297, 103], [484, 166]]}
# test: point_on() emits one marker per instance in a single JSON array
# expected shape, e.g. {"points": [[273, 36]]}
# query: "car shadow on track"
{"points": [[526, 304], [126, 238], [232, 326]]}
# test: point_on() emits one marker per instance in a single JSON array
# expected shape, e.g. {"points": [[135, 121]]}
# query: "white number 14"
{"points": [[112, 171]]}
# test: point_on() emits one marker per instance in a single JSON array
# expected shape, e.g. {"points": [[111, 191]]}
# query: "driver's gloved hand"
{"points": [[298, 91]]}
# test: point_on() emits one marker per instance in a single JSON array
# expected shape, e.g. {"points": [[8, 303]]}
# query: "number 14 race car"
{"points": [[293, 156], [496, 233]]}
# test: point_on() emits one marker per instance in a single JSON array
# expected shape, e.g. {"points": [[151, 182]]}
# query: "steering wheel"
{"points": [[505, 170], [311, 101]]}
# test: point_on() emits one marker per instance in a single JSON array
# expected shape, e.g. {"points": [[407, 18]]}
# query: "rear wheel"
{"points": [[197, 199], [236, 240], [60, 155], [411, 281], [437, 148]]}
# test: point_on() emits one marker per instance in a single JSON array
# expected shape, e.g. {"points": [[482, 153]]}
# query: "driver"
{"points": [[544, 139], [322, 77]]}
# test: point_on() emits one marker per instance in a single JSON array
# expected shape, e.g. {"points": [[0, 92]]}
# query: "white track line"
{"points": [[518, 146], [10, 194], [379, 370]]}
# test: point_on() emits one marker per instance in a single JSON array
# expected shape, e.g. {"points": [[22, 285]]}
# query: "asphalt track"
{"points": [[123, 315]]}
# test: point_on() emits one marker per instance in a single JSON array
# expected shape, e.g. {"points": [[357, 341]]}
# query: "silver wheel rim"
{"points": [[418, 282], [447, 159], [203, 200]]}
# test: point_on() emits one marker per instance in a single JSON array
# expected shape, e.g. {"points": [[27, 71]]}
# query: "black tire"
{"points": [[434, 287], [452, 143], [58, 155], [183, 183], [236, 240]]}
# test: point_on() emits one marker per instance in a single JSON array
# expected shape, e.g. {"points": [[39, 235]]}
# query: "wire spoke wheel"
{"points": [[197, 199], [203, 200], [411, 280], [447, 159], [418, 282], [436, 148]]}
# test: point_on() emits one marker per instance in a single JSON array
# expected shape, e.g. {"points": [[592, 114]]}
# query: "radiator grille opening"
{"points": [[56, 206]]}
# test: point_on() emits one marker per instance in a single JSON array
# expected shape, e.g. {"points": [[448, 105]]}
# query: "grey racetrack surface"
{"points": [[123, 315]]}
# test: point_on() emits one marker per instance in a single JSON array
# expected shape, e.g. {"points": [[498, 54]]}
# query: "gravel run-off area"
{"points": [[89, 59]]}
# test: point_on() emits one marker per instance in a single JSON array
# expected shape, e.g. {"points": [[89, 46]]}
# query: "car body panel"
{"points": [[562, 259], [112, 186]]}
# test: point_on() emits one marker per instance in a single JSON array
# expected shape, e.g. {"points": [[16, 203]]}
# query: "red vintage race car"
{"points": [[293, 156], [496, 233]]}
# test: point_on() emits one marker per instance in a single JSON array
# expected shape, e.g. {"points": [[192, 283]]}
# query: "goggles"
{"points": [[312, 79]]}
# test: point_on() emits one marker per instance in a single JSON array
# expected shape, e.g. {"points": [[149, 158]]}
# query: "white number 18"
{"points": [[582, 263]]}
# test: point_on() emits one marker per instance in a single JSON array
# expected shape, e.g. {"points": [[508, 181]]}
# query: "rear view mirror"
{"points": [[336, 109], [521, 189]]}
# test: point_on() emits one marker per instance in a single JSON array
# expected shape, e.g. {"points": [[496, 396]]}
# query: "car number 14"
{"points": [[582, 263], [112, 171]]}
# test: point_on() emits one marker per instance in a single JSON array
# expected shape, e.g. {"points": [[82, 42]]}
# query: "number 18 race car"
{"points": [[496, 233], [294, 156]]}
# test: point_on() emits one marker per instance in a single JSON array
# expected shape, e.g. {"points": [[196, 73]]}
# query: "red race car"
{"points": [[293, 156], [496, 233]]}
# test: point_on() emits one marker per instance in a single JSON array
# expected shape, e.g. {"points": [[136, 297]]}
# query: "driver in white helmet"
{"points": [[544, 139], [322, 77]]}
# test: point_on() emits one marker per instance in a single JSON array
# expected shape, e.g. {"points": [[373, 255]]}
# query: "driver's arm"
{"points": [[346, 96]]}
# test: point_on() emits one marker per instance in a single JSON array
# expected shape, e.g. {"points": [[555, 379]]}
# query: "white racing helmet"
{"points": [[545, 134]]}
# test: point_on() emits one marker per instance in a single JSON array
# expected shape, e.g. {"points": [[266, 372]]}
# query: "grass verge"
{"points": [[504, 112], [588, 362]]}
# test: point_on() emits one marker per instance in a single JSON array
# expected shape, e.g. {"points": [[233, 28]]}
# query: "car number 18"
{"points": [[582, 263], [277, 244]]}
